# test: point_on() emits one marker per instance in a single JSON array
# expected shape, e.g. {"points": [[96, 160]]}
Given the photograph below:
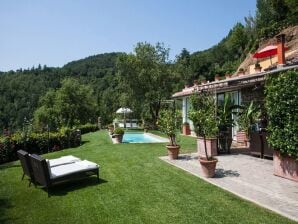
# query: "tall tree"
{"points": [[71, 105], [146, 77], [183, 66]]}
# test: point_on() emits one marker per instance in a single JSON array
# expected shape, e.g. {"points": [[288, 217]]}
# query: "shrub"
{"points": [[37, 143], [86, 128], [282, 109], [118, 131]]}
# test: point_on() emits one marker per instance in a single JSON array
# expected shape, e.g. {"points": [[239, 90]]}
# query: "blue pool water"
{"points": [[140, 138]]}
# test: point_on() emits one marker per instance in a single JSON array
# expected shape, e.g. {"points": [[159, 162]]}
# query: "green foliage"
{"points": [[183, 67], [274, 15], [203, 114], [271, 17], [282, 109], [224, 112], [119, 131], [37, 143], [248, 116], [21, 90], [86, 128], [145, 79], [168, 124], [71, 105]]}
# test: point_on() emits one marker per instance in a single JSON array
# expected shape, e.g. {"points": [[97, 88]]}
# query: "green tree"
{"points": [[183, 67], [71, 105], [146, 77]]}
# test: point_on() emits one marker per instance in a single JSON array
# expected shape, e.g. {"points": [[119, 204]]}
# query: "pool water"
{"points": [[141, 138]]}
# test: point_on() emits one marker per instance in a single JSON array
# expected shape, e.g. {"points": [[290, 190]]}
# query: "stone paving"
{"points": [[250, 178]]}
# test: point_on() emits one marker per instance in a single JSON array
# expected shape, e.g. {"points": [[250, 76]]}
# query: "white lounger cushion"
{"points": [[63, 160], [60, 171]]}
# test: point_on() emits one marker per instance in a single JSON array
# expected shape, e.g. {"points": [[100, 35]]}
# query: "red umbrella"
{"points": [[267, 52]]}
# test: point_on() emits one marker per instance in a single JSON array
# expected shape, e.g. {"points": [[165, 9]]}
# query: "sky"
{"points": [[55, 32]]}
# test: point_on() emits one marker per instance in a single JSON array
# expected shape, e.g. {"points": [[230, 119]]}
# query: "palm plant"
{"points": [[226, 122], [248, 116], [224, 113]]}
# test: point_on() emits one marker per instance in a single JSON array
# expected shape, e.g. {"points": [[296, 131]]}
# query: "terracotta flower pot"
{"points": [[208, 167], [186, 129], [228, 76], [242, 138], [118, 138], [173, 151], [258, 69], [285, 166], [211, 144]]}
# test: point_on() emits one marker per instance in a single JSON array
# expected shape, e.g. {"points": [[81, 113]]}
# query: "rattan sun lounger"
{"points": [[26, 165], [48, 176]]}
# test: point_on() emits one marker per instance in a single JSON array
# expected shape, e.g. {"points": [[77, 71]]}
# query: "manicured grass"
{"points": [[136, 187]]}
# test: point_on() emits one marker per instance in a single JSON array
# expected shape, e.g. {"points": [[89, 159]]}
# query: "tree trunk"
{"points": [[205, 147]]}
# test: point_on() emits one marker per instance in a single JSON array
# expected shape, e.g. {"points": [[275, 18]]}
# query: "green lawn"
{"points": [[136, 187]]}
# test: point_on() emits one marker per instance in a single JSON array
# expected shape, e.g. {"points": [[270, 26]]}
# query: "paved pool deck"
{"points": [[248, 177]]}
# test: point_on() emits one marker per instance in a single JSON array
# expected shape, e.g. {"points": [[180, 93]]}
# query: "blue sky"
{"points": [[55, 32]]}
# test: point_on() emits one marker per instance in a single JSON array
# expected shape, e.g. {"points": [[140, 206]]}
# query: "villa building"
{"points": [[244, 86]]}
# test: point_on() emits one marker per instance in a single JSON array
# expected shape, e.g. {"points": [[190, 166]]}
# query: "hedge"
{"points": [[38, 143], [282, 109], [86, 128]]}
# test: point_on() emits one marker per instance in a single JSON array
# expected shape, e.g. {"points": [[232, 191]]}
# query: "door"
{"points": [[236, 98]]}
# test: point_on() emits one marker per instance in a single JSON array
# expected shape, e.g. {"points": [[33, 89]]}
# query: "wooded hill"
{"points": [[21, 90]]}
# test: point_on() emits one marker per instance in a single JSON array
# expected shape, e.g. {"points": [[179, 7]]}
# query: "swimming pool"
{"points": [[142, 138]]}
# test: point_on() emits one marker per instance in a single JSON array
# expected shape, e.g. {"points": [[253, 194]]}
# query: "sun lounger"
{"points": [[63, 160], [26, 165], [48, 176]]}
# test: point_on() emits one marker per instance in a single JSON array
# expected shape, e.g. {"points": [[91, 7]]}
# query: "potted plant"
{"points": [[258, 68], [203, 81], [118, 134], [247, 117], [241, 72], [281, 107], [228, 76], [111, 129], [195, 82], [203, 116], [225, 123], [217, 78], [186, 128], [167, 124]]}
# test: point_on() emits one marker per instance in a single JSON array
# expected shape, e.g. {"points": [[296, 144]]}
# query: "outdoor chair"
{"points": [[48, 176], [25, 163], [27, 168]]}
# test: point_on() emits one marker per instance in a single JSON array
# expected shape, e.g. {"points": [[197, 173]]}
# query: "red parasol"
{"points": [[267, 52]]}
